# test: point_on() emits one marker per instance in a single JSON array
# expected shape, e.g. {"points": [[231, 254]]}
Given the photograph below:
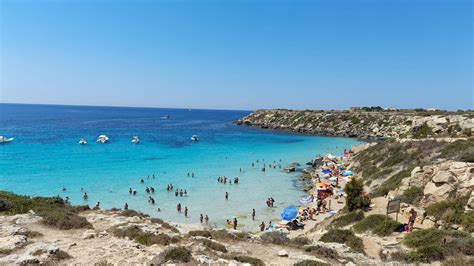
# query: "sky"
{"points": [[243, 55]]}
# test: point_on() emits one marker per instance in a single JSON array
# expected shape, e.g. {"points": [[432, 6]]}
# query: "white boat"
{"points": [[102, 139], [194, 138], [165, 117], [135, 140], [5, 140], [82, 142]]}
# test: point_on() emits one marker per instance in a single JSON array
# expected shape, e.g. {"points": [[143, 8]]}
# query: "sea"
{"points": [[45, 157]]}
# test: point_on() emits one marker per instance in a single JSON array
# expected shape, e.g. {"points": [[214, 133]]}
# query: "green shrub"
{"points": [[220, 234], [392, 183], [322, 251], [343, 236], [459, 261], [132, 213], [275, 238], [245, 259], [180, 254], [54, 210], [347, 219], [433, 244], [213, 245], [412, 195], [164, 224], [202, 233], [450, 210], [422, 131], [299, 241], [355, 199], [378, 224], [310, 263], [144, 238]]}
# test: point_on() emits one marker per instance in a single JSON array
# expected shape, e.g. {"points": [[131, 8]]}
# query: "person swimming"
{"points": [[152, 189], [142, 181], [147, 190], [134, 192], [64, 189]]}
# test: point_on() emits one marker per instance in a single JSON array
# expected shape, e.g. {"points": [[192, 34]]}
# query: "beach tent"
{"points": [[289, 213]]}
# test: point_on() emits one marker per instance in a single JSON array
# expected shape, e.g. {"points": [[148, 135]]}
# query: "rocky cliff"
{"points": [[366, 124]]}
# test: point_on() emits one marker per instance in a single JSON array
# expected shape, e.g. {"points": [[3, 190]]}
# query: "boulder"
{"points": [[282, 253], [436, 192], [443, 177]]}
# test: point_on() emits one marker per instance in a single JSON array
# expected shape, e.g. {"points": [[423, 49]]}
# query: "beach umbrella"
{"points": [[289, 213]]}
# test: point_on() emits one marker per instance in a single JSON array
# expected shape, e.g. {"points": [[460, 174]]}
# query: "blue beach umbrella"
{"points": [[289, 213]]}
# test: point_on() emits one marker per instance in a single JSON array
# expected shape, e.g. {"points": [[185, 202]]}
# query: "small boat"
{"points": [[135, 140], [82, 142], [194, 138], [165, 117], [5, 140], [102, 139]]}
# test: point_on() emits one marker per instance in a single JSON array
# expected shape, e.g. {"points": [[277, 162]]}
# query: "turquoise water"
{"points": [[45, 157]]}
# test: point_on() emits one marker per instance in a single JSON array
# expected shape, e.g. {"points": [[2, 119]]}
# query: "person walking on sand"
{"points": [[226, 195], [253, 214], [235, 223]]}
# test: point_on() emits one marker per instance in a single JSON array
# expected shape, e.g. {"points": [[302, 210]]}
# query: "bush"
{"points": [[180, 254], [164, 224], [322, 251], [392, 183], [275, 238], [347, 219], [214, 245], [452, 212], [378, 224], [310, 263], [245, 259], [412, 195], [144, 238], [299, 241], [459, 261], [422, 131], [220, 234], [132, 213], [343, 236], [54, 211], [355, 199], [433, 244]]}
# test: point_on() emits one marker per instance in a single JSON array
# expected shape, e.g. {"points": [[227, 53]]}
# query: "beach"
{"points": [[106, 172]]}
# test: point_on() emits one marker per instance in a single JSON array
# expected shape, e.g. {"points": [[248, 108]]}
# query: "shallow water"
{"points": [[45, 157]]}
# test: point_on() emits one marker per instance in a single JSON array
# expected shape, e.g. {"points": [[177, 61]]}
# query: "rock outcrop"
{"points": [[364, 124]]}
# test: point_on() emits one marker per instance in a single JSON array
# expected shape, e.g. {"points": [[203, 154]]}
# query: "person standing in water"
{"points": [[178, 207], [235, 223], [206, 219], [253, 214], [262, 227], [125, 207], [185, 211], [85, 196], [226, 195], [201, 218]]}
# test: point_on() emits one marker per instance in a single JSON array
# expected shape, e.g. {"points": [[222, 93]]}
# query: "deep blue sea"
{"points": [[45, 157]]}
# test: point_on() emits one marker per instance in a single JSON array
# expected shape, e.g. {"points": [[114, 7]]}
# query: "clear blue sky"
{"points": [[238, 54]]}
